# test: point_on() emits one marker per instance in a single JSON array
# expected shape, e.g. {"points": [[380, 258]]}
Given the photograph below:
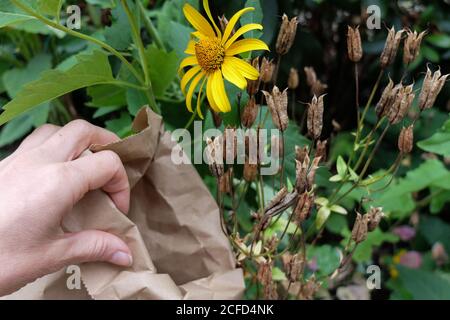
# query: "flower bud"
{"points": [[286, 36], [391, 47], [406, 139], [293, 80], [278, 103], [315, 117], [412, 46], [250, 113], [354, 46]]}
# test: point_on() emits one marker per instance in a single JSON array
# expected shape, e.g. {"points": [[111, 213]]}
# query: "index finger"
{"points": [[73, 139]]}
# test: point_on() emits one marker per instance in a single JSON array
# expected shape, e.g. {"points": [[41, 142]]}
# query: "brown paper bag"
{"points": [[173, 230]]}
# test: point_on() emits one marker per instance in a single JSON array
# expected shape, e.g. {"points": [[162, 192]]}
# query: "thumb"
{"points": [[94, 245]]}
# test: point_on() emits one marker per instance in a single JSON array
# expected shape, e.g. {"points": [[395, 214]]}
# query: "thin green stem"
{"points": [[100, 43], [150, 27]]}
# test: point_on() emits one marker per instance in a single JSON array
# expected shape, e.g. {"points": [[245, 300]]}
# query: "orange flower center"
{"points": [[210, 54]]}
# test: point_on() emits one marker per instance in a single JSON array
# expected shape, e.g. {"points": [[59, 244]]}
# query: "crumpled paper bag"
{"points": [[173, 230]]}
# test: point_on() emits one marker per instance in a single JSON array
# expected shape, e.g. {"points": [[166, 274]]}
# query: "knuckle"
{"points": [[46, 128], [81, 125]]}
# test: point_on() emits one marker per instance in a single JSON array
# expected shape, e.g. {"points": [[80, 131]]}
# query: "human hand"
{"points": [[40, 183]]}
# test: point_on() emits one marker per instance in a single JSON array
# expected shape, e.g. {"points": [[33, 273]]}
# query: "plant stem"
{"points": [[150, 27], [100, 43], [358, 116]]}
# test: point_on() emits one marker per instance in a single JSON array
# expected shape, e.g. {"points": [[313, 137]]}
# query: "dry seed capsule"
{"points": [[317, 88], [214, 154], [277, 102], [301, 153], [403, 101], [354, 46], [226, 182], [359, 232], [432, 85], [267, 70], [391, 47], [374, 217], [293, 80], [385, 100], [286, 36], [315, 117], [303, 207], [250, 113], [250, 171], [253, 85], [321, 150], [412, 46], [406, 139]]}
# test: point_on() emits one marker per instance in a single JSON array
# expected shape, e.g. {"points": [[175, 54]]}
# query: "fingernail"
{"points": [[122, 259]]}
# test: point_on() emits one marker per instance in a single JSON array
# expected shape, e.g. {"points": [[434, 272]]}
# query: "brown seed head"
{"points": [[214, 154], [309, 289], [412, 46], [253, 85], [403, 100], [303, 207], [406, 139], [386, 100], [286, 36], [315, 117], [316, 86], [301, 153], [391, 47], [354, 46], [250, 113], [278, 103], [293, 264], [226, 182], [293, 80], [266, 71], [250, 171], [224, 23], [432, 86], [264, 275], [374, 217], [359, 232], [217, 119], [321, 150]]}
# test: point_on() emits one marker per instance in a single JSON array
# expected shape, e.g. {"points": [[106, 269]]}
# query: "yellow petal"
{"points": [[247, 70], [233, 75], [208, 13], [241, 31], [190, 48], [210, 95], [218, 88], [233, 21], [199, 35], [188, 77], [199, 99], [189, 61], [192, 89], [197, 20], [245, 46]]}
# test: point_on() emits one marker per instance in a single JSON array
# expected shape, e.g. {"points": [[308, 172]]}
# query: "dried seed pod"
{"points": [[250, 113], [266, 70], [277, 198], [321, 150], [293, 264], [312, 173], [214, 154], [406, 139], [223, 21], [264, 275], [374, 217], [286, 36], [301, 153], [301, 172], [278, 103], [309, 289], [315, 117], [293, 80], [412, 46], [386, 100], [217, 119], [359, 232], [316, 86], [250, 171], [402, 103], [432, 86], [253, 85], [391, 47], [226, 182], [229, 145], [303, 207], [354, 46]]}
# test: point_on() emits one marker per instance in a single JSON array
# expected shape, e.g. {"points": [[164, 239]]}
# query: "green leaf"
{"points": [[322, 216], [326, 257], [118, 35], [278, 274], [163, 69], [435, 230], [341, 167], [106, 95], [90, 70], [338, 209], [439, 40], [8, 19], [363, 252], [104, 4], [120, 126], [49, 7], [255, 16], [424, 285], [438, 143], [136, 99]]}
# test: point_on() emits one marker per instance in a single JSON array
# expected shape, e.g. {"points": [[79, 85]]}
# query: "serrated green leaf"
{"points": [[163, 69], [90, 70], [118, 35]]}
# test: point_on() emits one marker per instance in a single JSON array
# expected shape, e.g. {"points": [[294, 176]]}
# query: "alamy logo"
{"points": [[374, 17], [74, 280]]}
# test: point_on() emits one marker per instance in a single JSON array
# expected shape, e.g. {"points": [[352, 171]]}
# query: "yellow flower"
{"points": [[212, 58]]}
